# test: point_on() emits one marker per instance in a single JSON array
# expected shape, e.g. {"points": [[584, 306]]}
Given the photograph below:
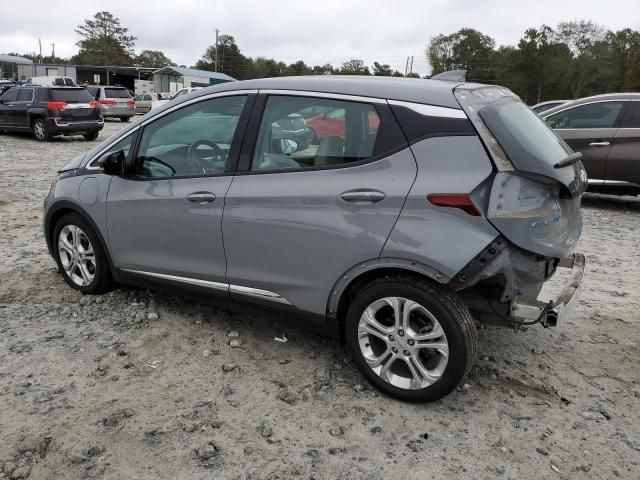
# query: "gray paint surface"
{"points": [[446, 239], [291, 233]]}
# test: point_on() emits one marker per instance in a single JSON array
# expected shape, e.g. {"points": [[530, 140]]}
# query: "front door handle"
{"points": [[201, 197], [362, 196], [599, 144]]}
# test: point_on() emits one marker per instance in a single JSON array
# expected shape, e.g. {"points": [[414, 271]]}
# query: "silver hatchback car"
{"points": [[420, 208]]}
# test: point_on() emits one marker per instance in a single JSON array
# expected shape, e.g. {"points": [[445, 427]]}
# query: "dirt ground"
{"points": [[134, 384]]}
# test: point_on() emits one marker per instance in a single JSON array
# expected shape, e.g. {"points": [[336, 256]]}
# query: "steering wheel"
{"points": [[206, 164]]}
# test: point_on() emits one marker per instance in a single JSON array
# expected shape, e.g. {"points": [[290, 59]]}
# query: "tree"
{"points": [[354, 67], [466, 49], [381, 70], [105, 41], [230, 60], [153, 58]]}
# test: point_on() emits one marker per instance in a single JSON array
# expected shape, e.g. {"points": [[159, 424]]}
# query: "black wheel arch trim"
{"points": [[75, 208]]}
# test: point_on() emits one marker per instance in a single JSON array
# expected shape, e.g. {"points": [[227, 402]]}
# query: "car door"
{"points": [[623, 163], [6, 108], [296, 220], [21, 108], [589, 128], [164, 215]]}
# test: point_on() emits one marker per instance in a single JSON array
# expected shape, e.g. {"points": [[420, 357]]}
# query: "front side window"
{"points": [[11, 95], [192, 141], [301, 132], [591, 115]]}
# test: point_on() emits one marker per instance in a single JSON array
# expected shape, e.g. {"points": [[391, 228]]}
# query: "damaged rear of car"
{"points": [[533, 200]]}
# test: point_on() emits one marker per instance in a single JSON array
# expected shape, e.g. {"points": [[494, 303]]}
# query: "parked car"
{"points": [[332, 123], [142, 103], [397, 239], [50, 111], [115, 102], [51, 81], [180, 93], [544, 106], [606, 130]]}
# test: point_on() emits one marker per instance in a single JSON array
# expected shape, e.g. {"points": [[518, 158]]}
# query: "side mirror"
{"points": [[113, 163], [288, 146]]}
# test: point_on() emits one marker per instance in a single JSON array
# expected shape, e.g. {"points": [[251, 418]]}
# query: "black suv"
{"points": [[49, 111]]}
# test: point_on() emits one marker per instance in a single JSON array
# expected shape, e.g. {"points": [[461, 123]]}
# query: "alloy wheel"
{"points": [[38, 130], [403, 343], [76, 255]]}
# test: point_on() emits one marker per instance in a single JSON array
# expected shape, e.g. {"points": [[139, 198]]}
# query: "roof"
{"points": [[431, 92], [194, 72], [15, 59], [594, 98]]}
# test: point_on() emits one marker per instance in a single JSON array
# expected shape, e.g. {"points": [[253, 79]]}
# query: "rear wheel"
{"points": [[79, 255], [124, 119], [91, 135], [414, 340], [40, 130]]}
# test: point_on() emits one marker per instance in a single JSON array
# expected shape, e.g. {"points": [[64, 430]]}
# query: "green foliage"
{"points": [[354, 67], [152, 58], [576, 59], [105, 42]]}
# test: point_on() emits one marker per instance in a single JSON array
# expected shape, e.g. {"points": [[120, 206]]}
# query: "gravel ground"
{"points": [[135, 384]]}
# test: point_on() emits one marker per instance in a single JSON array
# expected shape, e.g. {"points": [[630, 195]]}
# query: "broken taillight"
{"points": [[455, 200]]}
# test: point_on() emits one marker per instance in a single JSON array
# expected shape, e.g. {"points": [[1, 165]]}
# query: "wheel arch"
{"points": [[365, 272], [62, 208]]}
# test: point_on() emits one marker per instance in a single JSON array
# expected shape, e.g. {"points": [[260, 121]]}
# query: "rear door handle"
{"points": [[362, 196], [599, 144], [201, 197]]}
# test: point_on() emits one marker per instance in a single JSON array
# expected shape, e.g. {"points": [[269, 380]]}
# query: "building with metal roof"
{"points": [[170, 79]]}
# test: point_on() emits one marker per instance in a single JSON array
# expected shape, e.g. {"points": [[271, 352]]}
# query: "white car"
{"points": [[52, 81], [179, 93]]}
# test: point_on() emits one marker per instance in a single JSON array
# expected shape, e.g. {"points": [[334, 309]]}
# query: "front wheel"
{"points": [[40, 130], [80, 256], [414, 340]]}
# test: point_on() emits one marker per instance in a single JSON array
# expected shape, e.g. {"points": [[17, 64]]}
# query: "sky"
{"points": [[318, 32]]}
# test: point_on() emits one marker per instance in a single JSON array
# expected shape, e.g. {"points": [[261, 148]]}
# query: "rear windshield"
{"points": [[70, 95], [522, 133], [116, 93]]}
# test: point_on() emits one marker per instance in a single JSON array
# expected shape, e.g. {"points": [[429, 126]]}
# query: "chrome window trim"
{"points": [[333, 96], [430, 110], [544, 117], [144, 123], [248, 291]]}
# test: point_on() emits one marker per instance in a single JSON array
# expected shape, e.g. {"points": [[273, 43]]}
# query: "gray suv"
{"points": [[432, 206]]}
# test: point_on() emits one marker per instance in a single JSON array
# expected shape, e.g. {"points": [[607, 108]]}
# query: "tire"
{"points": [[40, 130], [91, 135], [124, 119], [94, 277], [403, 379]]}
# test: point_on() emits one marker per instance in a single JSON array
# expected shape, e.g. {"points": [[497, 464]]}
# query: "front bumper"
{"points": [[562, 306]]}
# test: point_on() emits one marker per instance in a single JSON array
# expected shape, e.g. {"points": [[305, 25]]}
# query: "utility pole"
{"points": [[411, 67], [53, 52], [406, 67], [216, 62], [40, 48]]}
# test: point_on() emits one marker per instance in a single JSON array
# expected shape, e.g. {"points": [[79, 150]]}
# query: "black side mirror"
{"points": [[113, 163]]}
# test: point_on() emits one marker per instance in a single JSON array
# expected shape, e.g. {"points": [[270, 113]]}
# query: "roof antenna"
{"points": [[451, 76]]}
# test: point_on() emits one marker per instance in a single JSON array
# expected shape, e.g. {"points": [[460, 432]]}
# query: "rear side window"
{"points": [[70, 95], [25, 94], [116, 93], [304, 132], [632, 116], [591, 115]]}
